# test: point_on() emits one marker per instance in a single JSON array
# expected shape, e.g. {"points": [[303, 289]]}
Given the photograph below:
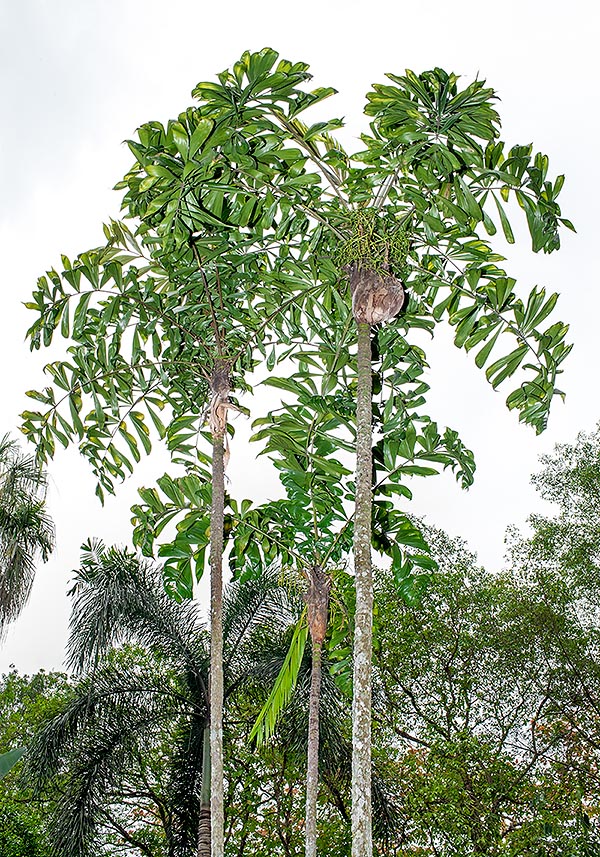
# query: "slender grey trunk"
{"points": [[312, 768], [362, 845], [218, 424], [377, 296], [204, 822], [317, 599]]}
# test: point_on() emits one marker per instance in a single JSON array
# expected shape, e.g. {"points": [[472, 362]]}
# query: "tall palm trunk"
{"points": [[363, 623], [220, 384], [318, 603], [377, 297], [204, 822]]}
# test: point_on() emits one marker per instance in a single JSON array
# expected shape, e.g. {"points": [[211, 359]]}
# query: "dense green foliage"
{"points": [[476, 749], [127, 748], [26, 702], [26, 533], [239, 214], [482, 690], [486, 702]]}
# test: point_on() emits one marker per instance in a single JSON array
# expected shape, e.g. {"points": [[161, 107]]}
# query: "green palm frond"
{"points": [[118, 597], [185, 783], [284, 685], [9, 760], [112, 693], [249, 606], [26, 530], [92, 746]]}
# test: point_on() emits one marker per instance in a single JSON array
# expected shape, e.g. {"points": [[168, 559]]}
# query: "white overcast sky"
{"points": [[78, 77]]}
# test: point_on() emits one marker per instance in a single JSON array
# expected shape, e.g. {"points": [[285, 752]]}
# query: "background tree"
{"points": [[126, 702], [476, 713], [564, 545], [26, 702], [26, 530], [560, 560]]}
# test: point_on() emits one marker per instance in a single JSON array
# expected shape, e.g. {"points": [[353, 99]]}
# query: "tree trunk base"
{"points": [[204, 832]]}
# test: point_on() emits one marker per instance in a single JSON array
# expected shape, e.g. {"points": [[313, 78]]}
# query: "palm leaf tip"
{"points": [[284, 685]]}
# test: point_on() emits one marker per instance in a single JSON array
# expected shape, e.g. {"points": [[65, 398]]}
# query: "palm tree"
{"points": [[410, 209], [25, 527], [131, 700]]}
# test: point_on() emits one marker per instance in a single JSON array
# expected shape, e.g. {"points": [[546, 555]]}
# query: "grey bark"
{"points": [[377, 296], [361, 700], [312, 772], [218, 425]]}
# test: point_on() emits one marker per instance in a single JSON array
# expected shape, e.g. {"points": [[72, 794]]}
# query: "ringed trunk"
{"points": [[204, 821], [220, 385], [318, 604]]}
